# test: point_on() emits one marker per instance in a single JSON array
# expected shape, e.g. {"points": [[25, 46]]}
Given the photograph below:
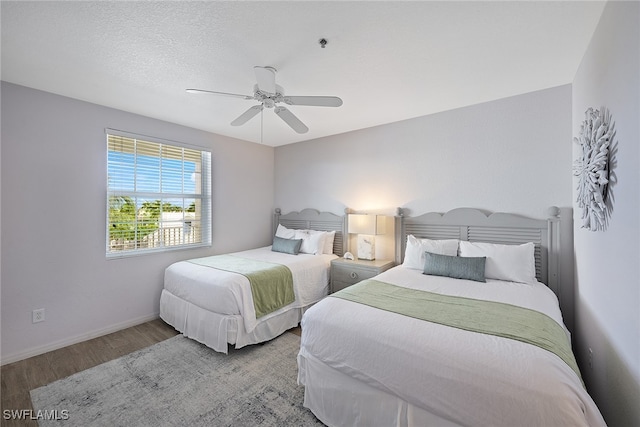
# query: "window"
{"points": [[158, 195]]}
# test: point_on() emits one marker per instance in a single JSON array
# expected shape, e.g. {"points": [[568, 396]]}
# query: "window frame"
{"points": [[205, 197]]}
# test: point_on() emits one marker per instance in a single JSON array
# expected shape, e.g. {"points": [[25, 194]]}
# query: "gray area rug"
{"points": [[180, 382]]}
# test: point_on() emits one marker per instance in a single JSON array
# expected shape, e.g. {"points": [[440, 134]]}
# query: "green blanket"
{"points": [[271, 284], [487, 317]]}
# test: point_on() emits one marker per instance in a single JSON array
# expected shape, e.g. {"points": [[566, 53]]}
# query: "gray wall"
{"points": [[511, 155], [53, 219], [608, 263]]}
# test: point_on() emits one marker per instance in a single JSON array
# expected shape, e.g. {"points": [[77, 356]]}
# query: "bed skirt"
{"points": [[218, 330], [339, 400]]}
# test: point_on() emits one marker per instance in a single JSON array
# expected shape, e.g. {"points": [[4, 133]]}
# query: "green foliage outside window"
{"points": [[129, 224]]}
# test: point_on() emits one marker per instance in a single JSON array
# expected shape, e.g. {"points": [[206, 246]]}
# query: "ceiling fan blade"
{"points": [[266, 77], [235, 95], [247, 115], [315, 101], [291, 120]]}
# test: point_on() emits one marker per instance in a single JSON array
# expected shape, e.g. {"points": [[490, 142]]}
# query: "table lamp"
{"points": [[366, 227]]}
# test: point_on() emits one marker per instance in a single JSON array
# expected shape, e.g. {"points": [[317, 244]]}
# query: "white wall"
{"points": [[608, 263], [507, 155], [53, 219], [510, 155]]}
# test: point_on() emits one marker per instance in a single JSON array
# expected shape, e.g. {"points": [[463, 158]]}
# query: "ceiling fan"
{"points": [[268, 94]]}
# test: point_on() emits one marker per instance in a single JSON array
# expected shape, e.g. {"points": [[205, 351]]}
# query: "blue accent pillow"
{"points": [[470, 268], [287, 246]]}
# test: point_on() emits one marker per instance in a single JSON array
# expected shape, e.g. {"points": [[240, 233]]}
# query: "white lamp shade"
{"points": [[366, 224]]}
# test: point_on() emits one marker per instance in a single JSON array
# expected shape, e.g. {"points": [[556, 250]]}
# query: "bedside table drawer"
{"points": [[351, 274]]}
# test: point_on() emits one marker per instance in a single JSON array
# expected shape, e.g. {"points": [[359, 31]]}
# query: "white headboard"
{"points": [[476, 226], [311, 219]]}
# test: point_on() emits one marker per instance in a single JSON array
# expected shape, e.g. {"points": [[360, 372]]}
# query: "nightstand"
{"points": [[348, 272]]}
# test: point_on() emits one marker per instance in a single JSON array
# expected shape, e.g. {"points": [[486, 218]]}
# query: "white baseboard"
{"points": [[16, 357]]}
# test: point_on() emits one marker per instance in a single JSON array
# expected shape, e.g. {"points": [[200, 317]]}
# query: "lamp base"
{"points": [[366, 247]]}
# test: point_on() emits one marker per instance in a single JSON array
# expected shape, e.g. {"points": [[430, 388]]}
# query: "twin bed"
{"points": [[209, 301], [472, 336]]}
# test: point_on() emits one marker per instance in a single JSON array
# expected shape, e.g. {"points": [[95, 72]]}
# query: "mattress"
{"points": [[454, 376], [227, 293]]}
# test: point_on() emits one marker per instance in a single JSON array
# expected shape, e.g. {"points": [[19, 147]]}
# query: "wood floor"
{"points": [[20, 377]]}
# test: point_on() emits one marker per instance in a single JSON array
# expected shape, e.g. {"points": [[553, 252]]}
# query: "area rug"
{"points": [[180, 382]]}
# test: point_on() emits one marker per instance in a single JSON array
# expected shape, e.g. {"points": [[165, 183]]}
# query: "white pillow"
{"points": [[414, 252], [513, 263], [329, 236], [323, 238], [312, 241], [284, 232]]}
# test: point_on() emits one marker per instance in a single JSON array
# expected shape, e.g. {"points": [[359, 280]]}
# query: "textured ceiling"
{"points": [[387, 60]]}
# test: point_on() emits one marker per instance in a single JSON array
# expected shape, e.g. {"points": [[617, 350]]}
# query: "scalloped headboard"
{"points": [[476, 226], [311, 219]]}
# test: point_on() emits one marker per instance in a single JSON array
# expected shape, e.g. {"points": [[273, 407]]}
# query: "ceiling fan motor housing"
{"points": [[268, 99]]}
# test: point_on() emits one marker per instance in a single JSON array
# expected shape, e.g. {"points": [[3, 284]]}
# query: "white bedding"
{"points": [[227, 293], [436, 372]]}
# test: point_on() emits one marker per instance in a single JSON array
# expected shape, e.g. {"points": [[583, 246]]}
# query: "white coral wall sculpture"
{"points": [[592, 167]]}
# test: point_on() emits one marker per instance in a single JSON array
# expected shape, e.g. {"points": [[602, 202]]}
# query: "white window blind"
{"points": [[158, 195]]}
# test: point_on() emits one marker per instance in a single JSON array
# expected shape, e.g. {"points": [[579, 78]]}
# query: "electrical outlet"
{"points": [[37, 315], [590, 358]]}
